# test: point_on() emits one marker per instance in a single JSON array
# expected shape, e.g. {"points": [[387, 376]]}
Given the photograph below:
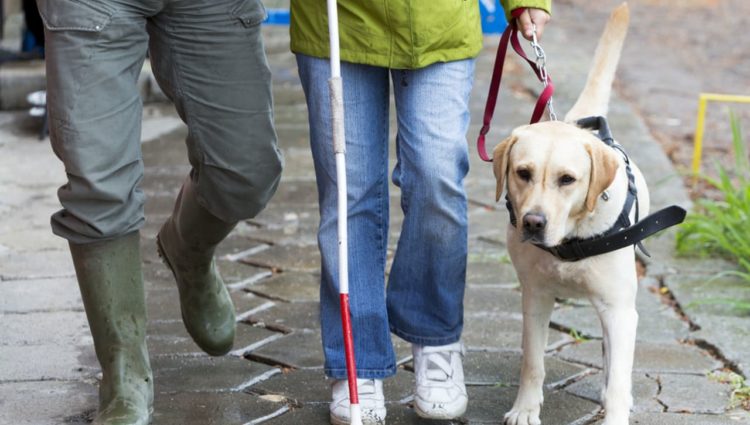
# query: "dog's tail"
{"points": [[594, 99]]}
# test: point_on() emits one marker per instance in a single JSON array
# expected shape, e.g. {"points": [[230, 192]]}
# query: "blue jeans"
{"points": [[423, 301]]}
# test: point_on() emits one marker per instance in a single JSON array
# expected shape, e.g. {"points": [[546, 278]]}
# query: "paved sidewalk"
{"points": [[48, 372]]}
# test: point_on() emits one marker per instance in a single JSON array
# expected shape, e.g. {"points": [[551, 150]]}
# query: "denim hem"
{"points": [[426, 340], [362, 373]]}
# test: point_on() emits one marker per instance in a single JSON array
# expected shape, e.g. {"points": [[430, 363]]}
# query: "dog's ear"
{"points": [[500, 157], [604, 166]]}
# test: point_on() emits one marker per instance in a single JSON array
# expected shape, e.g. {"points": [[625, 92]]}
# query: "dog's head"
{"points": [[554, 172]]}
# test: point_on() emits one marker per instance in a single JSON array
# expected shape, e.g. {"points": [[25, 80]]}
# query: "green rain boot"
{"points": [[109, 275], [186, 243]]}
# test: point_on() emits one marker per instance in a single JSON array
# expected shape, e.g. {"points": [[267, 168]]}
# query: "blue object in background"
{"points": [[493, 17], [30, 45], [277, 17]]}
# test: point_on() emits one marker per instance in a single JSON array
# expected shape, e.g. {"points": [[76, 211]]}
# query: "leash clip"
{"points": [[541, 64]]}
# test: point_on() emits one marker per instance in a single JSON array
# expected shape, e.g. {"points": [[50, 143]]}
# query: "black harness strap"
{"points": [[622, 233], [578, 249]]}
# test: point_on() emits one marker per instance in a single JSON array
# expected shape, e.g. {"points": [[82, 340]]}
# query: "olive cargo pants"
{"points": [[208, 58]]}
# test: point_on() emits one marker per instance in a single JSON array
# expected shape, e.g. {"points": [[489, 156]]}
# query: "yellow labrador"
{"points": [[566, 187]]}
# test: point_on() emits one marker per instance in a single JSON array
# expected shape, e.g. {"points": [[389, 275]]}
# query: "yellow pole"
{"points": [[700, 123], [698, 140]]}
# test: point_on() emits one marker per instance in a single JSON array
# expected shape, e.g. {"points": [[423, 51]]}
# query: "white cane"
{"points": [[339, 148]]}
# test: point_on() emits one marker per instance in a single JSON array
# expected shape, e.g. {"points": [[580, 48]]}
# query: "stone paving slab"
{"points": [[237, 275], [656, 322], [693, 394], [286, 257], [645, 391], [310, 414], [492, 300], [206, 374], [210, 408], [301, 386], [489, 404], [479, 272], [300, 350], [45, 402], [170, 338], [26, 265], [289, 287], [29, 296], [706, 300], [495, 332], [32, 363], [730, 335], [286, 226], [667, 357], [310, 387], [504, 369], [487, 218], [681, 419], [17, 330], [288, 316]]}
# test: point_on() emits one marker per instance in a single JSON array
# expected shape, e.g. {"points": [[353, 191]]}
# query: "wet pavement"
{"points": [[48, 371]]}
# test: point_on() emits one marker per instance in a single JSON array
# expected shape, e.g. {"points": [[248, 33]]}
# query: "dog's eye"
{"points": [[524, 174], [566, 180]]}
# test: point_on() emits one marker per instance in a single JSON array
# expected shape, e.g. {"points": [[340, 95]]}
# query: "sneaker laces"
{"points": [[366, 387], [438, 365]]}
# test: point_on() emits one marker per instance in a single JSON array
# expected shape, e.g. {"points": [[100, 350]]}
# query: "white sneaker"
{"points": [[371, 401], [441, 392]]}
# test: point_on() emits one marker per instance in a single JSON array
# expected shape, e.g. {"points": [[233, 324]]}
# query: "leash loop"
{"points": [[539, 66]]}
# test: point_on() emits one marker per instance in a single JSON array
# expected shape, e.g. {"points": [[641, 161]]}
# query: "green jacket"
{"points": [[403, 34]]}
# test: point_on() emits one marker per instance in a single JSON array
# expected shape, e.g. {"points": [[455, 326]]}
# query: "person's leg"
{"points": [[427, 280], [366, 102], [95, 52], [428, 276], [208, 58], [94, 58]]}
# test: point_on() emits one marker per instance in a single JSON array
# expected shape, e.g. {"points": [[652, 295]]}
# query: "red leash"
{"points": [[511, 34]]}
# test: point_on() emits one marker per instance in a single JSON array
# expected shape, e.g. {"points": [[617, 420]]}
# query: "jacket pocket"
{"points": [[74, 15], [249, 12]]}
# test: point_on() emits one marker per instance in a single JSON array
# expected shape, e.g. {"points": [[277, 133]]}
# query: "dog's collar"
{"points": [[622, 233]]}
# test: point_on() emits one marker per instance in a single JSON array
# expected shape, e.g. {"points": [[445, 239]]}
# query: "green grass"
{"points": [[577, 336], [740, 396], [719, 227]]}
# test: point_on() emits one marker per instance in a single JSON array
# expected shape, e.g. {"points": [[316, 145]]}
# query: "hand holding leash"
{"points": [[531, 22]]}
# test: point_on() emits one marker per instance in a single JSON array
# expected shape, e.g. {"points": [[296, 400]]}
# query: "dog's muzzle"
{"points": [[534, 225]]}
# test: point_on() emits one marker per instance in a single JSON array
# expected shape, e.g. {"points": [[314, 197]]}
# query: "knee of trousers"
{"points": [[239, 191]]}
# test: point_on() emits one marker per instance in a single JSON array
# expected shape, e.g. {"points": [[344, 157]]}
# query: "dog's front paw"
{"points": [[523, 415]]}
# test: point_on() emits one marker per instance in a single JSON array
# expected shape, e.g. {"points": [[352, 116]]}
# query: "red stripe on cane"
{"points": [[351, 370]]}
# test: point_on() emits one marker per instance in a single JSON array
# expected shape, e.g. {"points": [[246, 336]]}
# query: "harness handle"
{"points": [[511, 35]]}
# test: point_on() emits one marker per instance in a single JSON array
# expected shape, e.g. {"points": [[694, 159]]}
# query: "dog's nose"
{"points": [[534, 223]]}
